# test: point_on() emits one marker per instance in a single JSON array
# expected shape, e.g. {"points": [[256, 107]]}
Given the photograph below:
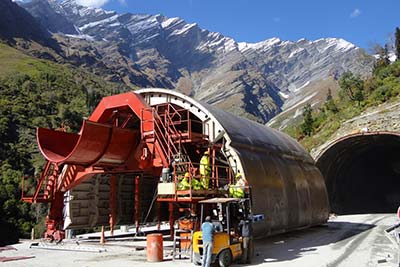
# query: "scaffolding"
{"points": [[126, 135]]}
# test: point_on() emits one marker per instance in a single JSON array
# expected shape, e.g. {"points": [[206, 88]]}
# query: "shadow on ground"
{"points": [[289, 246]]}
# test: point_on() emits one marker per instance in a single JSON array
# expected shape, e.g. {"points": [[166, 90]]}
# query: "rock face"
{"points": [[14, 21], [51, 16], [251, 80], [382, 118]]}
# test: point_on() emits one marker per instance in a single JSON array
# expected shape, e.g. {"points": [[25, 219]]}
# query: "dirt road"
{"points": [[354, 240]]}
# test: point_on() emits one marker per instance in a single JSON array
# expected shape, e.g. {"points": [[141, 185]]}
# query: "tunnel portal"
{"points": [[362, 173]]}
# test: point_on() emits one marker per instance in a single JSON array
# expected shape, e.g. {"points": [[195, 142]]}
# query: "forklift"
{"points": [[226, 214]]}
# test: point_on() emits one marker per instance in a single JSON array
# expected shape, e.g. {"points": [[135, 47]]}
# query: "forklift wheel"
{"points": [[225, 258]]}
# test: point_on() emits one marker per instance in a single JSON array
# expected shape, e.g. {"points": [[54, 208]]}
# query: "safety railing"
{"points": [[45, 187], [171, 128], [174, 113], [197, 185], [151, 134], [189, 129]]}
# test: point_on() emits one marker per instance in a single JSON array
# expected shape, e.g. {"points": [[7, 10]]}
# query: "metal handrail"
{"points": [[43, 176], [217, 179], [172, 149], [43, 184], [168, 107]]}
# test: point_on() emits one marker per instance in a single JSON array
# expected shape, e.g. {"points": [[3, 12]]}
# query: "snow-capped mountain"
{"points": [[253, 80]]}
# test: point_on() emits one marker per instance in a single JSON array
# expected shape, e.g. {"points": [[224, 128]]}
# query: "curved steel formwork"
{"points": [[287, 186], [111, 146]]}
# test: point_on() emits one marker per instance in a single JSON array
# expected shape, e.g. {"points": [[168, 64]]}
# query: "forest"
{"points": [[36, 93]]}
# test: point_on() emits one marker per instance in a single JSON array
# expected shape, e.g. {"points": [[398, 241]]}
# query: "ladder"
{"points": [[166, 138], [46, 185], [182, 237]]}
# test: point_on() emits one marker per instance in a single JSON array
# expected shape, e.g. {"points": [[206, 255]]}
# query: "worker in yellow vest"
{"points": [[205, 170], [196, 185], [238, 190], [183, 183]]}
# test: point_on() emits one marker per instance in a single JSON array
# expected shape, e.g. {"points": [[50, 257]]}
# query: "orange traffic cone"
{"points": [[102, 238]]}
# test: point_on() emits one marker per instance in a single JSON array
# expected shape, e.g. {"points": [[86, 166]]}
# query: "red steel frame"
{"points": [[107, 143]]}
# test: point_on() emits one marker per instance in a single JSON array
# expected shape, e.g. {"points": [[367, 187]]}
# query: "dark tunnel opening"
{"points": [[362, 173]]}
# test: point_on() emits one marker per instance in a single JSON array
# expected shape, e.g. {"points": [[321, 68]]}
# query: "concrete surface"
{"points": [[352, 240]]}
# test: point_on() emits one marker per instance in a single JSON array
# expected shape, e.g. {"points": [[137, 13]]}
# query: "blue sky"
{"points": [[362, 22]]}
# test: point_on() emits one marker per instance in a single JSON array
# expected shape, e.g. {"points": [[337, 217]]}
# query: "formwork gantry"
{"points": [[125, 135], [135, 147]]}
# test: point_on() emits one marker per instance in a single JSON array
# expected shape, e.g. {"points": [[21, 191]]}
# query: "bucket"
{"points": [[154, 249], [165, 175]]}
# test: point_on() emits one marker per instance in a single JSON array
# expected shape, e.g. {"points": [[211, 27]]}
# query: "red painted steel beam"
{"points": [[113, 202], [134, 102]]}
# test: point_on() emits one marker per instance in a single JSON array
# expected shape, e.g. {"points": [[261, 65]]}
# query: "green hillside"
{"points": [[36, 93], [356, 94]]}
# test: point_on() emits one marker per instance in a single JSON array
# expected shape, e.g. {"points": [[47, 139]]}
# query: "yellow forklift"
{"points": [[226, 214]]}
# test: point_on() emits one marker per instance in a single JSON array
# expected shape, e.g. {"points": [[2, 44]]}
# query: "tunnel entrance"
{"points": [[362, 173]]}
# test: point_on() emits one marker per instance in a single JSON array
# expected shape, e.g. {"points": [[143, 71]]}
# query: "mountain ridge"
{"points": [[251, 80]]}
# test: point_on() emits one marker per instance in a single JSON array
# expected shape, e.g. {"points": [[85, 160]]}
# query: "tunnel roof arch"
{"points": [[358, 168], [342, 142]]}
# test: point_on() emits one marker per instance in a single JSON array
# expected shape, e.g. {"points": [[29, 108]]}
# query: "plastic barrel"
{"points": [[154, 247]]}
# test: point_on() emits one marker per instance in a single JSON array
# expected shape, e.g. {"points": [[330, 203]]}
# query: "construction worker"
{"points": [[183, 183], [239, 188], [208, 230], [247, 239], [196, 185], [205, 170]]}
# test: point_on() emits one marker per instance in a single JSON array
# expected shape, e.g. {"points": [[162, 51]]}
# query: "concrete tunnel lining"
{"points": [[362, 173]]}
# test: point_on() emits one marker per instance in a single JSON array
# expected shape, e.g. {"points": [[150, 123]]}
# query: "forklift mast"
{"points": [[226, 212]]}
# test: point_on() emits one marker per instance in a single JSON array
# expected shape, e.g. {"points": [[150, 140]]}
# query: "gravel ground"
{"points": [[353, 240]]}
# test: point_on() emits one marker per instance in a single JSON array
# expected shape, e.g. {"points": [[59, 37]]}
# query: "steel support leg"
{"points": [[158, 216], [171, 218], [54, 220], [137, 203], [113, 202]]}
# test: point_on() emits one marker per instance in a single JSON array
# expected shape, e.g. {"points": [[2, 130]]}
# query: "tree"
{"points": [[330, 103], [351, 87], [359, 95], [397, 43], [307, 127], [382, 54]]}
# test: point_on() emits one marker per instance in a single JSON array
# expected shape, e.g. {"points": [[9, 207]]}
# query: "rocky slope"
{"points": [[13, 25], [382, 118], [314, 93], [252, 80]]}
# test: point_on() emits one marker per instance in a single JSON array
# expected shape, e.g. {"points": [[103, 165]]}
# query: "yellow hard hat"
{"points": [[187, 175], [238, 175], [206, 152]]}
